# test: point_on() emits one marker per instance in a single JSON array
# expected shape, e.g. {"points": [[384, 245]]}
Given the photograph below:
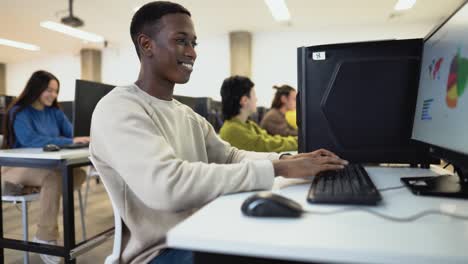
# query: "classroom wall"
{"points": [[65, 66], [120, 66], [274, 60]]}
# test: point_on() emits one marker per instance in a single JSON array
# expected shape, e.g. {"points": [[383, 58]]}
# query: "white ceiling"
{"points": [[19, 19]]}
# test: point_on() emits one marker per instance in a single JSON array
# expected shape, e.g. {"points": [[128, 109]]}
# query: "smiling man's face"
{"points": [[174, 48]]}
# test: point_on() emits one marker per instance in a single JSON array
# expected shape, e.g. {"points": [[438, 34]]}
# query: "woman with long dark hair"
{"points": [[274, 120], [34, 120]]}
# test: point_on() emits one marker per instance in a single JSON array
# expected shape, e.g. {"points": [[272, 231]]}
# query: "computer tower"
{"points": [[358, 100]]}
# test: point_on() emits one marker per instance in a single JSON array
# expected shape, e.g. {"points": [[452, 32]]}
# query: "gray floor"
{"points": [[99, 217]]}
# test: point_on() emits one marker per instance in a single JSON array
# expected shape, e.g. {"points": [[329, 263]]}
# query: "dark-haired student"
{"points": [[239, 101], [159, 159], [274, 121], [34, 120]]}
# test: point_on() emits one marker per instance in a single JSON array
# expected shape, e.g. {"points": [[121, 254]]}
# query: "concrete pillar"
{"points": [[241, 53], [2, 78], [91, 65]]}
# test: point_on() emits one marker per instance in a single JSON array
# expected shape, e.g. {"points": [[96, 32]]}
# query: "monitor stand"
{"points": [[444, 185]]}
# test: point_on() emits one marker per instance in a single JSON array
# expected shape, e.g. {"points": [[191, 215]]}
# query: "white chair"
{"points": [[114, 257], [92, 173], [24, 199]]}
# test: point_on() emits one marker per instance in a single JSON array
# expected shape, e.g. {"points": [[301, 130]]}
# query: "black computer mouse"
{"points": [[267, 204], [51, 147]]}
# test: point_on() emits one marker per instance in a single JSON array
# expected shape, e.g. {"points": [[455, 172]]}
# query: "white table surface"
{"points": [[354, 237], [38, 153]]}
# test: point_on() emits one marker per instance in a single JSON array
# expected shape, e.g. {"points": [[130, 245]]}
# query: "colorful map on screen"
{"points": [[434, 68], [457, 80]]}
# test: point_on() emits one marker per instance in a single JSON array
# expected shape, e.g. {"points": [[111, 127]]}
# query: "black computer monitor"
{"points": [[206, 107], [216, 106], [215, 114], [358, 99], [257, 117], [198, 104], [441, 116], [67, 108], [5, 101], [87, 95]]}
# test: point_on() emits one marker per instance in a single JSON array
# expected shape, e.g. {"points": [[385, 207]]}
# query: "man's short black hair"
{"points": [[232, 89], [150, 14]]}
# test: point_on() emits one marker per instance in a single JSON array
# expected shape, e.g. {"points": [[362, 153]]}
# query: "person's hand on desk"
{"points": [[81, 140], [308, 164]]}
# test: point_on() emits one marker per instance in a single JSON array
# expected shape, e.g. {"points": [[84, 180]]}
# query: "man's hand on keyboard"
{"points": [[315, 154], [308, 164]]}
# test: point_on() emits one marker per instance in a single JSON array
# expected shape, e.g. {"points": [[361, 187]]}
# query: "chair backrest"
{"points": [[115, 256]]}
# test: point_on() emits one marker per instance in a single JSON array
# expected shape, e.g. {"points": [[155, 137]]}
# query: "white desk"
{"points": [[356, 237], [65, 160], [38, 153]]}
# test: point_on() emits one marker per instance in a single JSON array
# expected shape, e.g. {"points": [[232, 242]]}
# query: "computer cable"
{"points": [[391, 188], [410, 218]]}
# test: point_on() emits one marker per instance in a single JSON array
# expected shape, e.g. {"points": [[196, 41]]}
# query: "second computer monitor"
{"points": [[358, 99], [87, 95], [440, 120], [442, 106]]}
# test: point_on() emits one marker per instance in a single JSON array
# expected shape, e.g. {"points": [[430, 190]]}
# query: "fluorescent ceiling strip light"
{"points": [[278, 9], [91, 37], [19, 45], [404, 4]]}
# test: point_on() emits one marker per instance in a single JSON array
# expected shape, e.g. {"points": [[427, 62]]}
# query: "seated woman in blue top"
{"points": [[33, 120]]}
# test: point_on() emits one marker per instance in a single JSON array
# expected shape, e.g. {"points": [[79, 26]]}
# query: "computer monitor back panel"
{"points": [[5, 101], [67, 108], [87, 95], [358, 99], [200, 105]]}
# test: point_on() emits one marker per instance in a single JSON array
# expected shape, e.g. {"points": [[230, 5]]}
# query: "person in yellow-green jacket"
{"points": [[291, 118], [274, 121], [239, 101]]}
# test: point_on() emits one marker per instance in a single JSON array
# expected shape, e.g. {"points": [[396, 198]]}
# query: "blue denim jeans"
{"points": [[173, 256]]}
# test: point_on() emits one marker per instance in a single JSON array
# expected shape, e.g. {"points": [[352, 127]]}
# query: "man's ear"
{"points": [[145, 44], [243, 100]]}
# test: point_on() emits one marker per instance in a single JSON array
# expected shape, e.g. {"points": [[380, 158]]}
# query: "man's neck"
{"points": [[243, 116], [155, 86]]}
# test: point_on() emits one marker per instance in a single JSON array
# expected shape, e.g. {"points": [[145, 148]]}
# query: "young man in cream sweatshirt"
{"points": [[160, 160]]}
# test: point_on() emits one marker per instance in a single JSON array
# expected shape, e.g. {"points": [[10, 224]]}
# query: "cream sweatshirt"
{"points": [[160, 162]]}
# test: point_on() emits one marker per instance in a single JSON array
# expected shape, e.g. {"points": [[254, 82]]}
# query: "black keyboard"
{"points": [[352, 185], [75, 146]]}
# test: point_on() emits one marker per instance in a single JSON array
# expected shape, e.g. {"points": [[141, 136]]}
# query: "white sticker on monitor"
{"points": [[319, 55]]}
